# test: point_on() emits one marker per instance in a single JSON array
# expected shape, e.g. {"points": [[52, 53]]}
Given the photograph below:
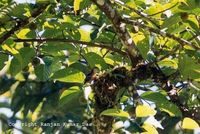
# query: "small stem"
{"points": [[21, 23], [162, 33], [164, 10], [89, 44]]}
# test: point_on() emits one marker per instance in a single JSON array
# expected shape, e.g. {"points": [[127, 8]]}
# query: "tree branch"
{"points": [[22, 23], [89, 44], [120, 28], [186, 111], [96, 25], [159, 77], [163, 10], [141, 14], [162, 33]]}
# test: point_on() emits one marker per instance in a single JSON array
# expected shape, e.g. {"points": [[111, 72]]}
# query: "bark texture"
{"points": [[120, 29], [108, 88]]}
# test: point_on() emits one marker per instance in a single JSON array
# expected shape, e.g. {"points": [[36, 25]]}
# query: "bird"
{"points": [[91, 75]]}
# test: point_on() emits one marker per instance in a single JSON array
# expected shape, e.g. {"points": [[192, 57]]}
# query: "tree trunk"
{"points": [[102, 124], [108, 89]]}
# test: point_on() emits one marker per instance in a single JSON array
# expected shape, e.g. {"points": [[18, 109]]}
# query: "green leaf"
{"points": [[81, 67], [3, 59], [151, 56], [193, 24], [115, 113], [171, 21], [189, 67], [189, 123], [168, 63], [55, 65], [124, 99], [69, 75], [143, 47], [27, 54], [21, 60], [170, 108], [48, 60], [58, 47], [73, 58], [168, 66], [70, 98], [154, 96], [192, 6], [162, 102], [113, 59], [95, 60], [42, 72], [51, 32], [69, 92], [144, 111], [16, 65], [176, 28]]}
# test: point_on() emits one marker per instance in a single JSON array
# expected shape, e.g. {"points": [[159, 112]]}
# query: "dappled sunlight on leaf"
{"points": [[69, 75], [149, 129], [115, 113], [144, 111], [189, 123], [22, 33]]}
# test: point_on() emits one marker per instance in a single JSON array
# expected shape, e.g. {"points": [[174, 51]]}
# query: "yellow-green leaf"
{"points": [[9, 49], [85, 35], [189, 123], [170, 108], [46, 1], [144, 111], [138, 37], [77, 5], [115, 113], [168, 63], [162, 102], [150, 129], [69, 75], [70, 91], [47, 25], [23, 32]]}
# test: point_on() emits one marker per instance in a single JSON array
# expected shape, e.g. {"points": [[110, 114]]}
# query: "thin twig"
{"points": [[163, 10], [96, 25], [121, 30], [162, 33], [22, 23], [89, 44], [141, 14]]}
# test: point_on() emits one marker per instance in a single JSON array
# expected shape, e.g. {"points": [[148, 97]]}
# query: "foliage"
{"points": [[147, 56]]}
